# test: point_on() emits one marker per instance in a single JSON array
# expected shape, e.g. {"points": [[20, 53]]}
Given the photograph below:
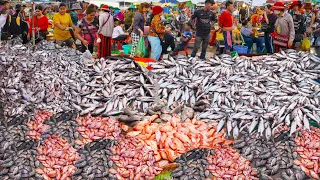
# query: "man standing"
{"points": [[4, 5], [225, 22], [243, 14], [128, 17], [182, 20], [203, 27], [269, 19], [298, 20]]}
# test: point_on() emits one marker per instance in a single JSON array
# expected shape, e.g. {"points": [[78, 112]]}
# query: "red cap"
{"points": [[294, 3], [278, 6], [157, 10], [105, 7]]}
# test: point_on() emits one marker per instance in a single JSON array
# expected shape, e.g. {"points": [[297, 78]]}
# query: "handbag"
{"points": [[279, 39]]}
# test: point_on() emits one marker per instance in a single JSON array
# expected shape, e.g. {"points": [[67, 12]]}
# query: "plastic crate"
{"points": [[241, 49], [127, 48]]}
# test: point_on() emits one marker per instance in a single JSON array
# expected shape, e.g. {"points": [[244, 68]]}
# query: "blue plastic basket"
{"points": [[241, 49], [127, 48]]}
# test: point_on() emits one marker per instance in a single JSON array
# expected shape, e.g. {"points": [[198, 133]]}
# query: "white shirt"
{"points": [[107, 28], [235, 13], [117, 31]]}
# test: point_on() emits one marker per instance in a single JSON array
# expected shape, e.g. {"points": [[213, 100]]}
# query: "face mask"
{"points": [[276, 12]]}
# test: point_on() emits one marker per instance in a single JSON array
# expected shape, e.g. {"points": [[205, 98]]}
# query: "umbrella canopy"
{"points": [[168, 1], [189, 4]]}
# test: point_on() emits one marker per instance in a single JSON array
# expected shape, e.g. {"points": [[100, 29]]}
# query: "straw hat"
{"points": [[76, 6], [307, 6], [259, 11]]}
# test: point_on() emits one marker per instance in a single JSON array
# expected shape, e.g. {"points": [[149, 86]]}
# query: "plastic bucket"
{"points": [[127, 48], [241, 49]]}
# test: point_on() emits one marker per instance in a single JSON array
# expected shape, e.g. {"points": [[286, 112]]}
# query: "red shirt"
{"points": [[225, 19], [43, 24]]}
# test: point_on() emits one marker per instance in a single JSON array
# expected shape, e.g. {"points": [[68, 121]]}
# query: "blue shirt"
{"points": [[187, 35], [245, 31]]}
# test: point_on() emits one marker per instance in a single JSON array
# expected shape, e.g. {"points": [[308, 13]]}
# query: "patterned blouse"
{"points": [[158, 26]]}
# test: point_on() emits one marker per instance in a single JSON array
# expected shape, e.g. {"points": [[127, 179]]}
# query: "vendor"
{"points": [[118, 33], [225, 22], [249, 38], [203, 17], [62, 26], [87, 29], [156, 33], [40, 24]]}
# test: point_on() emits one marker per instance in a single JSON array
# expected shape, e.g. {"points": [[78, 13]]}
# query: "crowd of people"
{"points": [[282, 26]]}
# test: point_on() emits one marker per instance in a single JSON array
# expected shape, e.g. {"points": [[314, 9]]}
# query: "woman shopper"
{"points": [[62, 26], [87, 29], [106, 26], [298, 21], [138, 25], [269, 19], [309, 20], [75, 10], [40, 24], [156, 32], [284, 26]]}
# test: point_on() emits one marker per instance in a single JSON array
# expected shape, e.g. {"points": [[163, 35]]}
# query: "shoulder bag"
{"points": [[91, 35], [98, 38]]}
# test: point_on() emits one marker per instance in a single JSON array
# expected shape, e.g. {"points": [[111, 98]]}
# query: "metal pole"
{"points": [[33, 28]]}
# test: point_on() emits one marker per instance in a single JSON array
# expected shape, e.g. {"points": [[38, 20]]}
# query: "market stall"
{"points": [[64, 115]]}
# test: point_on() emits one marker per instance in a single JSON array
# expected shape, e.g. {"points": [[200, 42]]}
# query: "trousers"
{"points": [[156, 48], [205, 42]]}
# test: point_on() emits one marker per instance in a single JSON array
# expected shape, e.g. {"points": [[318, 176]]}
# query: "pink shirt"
{"points": [[120, 16]]}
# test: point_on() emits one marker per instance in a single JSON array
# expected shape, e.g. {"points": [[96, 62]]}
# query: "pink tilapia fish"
{"points": [[57, 157]]}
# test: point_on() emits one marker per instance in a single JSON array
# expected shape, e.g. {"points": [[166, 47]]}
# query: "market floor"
{"points": [[211, 51]]}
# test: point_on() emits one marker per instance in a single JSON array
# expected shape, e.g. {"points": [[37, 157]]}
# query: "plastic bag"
{"points": [[305, 45], [86, 56], [140, 49]]}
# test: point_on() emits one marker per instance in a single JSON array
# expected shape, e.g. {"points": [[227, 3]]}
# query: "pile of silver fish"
{"points": [[272, 159], [41, 79], [114, 84], [132, 117], [192, 165], [245, 94], [60, 80]]}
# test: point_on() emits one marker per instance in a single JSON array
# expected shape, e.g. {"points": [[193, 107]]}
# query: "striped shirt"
{"points": [[88, 28]]}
